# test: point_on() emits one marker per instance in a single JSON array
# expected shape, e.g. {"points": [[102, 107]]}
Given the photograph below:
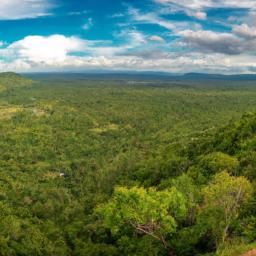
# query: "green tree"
{"points": [[191, 192], [223, 198], [210, 164], [148, 212]]}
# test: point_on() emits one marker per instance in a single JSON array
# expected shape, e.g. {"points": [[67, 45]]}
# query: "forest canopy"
{"points": [[110, 167]]}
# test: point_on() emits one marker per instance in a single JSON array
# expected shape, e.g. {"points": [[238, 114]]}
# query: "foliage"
{"points": [[67, 143], [149, 212], [223, 198]]}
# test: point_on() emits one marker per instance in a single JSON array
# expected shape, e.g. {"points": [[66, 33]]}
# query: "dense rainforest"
{"points": [[114, 167]]}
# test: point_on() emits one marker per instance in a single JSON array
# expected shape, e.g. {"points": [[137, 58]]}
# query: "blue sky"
{"points": [[177, 36]]}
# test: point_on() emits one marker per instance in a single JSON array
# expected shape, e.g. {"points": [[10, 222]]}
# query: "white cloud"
{"points": [[22, 9], [60, 53], [202, 4], [156, 39], [198, 8], [39, 49], [191, 62], [133, 38], [150, 18], [154, 18], [117, 15], [58, 48], [88, 24], [78, 13], [192, 4], [198, 14], [245, 31], [210, 41]]}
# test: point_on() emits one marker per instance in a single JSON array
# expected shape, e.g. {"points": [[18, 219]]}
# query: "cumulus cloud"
{"points": [[210, 41], [60, 53], [58, 49], [189, 48], [245, 31], [190, 62], [22, 9], [41, 49]]}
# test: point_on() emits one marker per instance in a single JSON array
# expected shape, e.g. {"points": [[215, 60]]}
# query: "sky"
{"points": [[176, 36]]}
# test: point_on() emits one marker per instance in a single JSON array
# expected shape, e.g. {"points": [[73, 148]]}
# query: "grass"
{"points": [[236, 249]]}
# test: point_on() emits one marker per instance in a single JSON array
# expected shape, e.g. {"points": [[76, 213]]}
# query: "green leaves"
{"points": [[227, 191], [148, 212], [223, 198]]}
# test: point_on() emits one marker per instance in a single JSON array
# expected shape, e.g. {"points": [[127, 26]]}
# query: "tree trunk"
{"points": [[225, 233]]}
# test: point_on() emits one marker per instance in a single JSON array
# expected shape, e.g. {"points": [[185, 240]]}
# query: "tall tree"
{"points": [[148, 212], [223, 198]]}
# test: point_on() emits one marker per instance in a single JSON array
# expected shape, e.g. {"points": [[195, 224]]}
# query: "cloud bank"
{"points": [[24, 9], [173, 45]]}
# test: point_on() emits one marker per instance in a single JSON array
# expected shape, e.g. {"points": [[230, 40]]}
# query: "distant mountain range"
{"points": [[139, 75], [219, 76]]}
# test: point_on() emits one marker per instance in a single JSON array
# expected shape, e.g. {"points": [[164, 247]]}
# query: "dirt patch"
{"points": [[250, 253]]}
